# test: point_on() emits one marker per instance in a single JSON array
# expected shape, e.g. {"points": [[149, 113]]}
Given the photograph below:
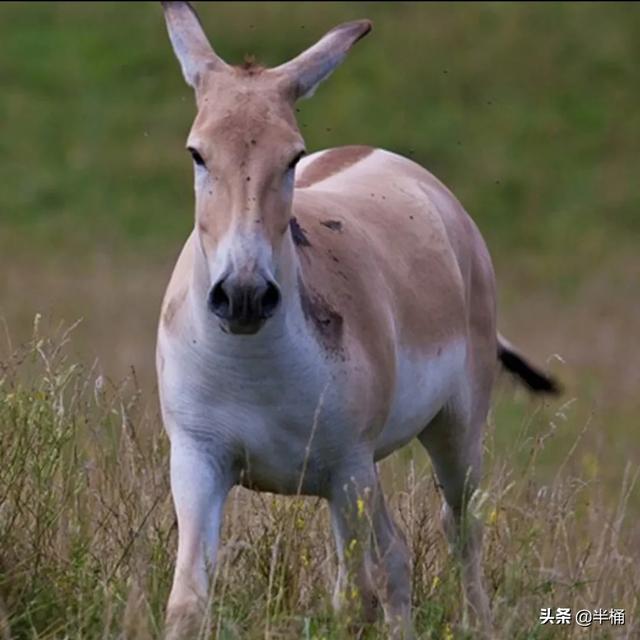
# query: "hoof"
{"points": [[184, 622]]}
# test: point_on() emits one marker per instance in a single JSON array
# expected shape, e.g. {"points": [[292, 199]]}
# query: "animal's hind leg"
{"points": [[350, 505], [454, 445], [390, 570]]}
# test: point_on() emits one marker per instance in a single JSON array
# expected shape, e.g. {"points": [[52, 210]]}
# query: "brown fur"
{"points": [[398, 256], [241, 120], [173, 306], [330, 163]]}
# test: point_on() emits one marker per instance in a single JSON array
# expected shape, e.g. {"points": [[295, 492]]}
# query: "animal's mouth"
{"points": [[245, 327]]}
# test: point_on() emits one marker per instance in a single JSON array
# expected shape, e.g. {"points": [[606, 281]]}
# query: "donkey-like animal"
{"points": [[324, 311]]}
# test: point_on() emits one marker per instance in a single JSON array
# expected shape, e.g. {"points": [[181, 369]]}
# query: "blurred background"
{"points": [[528, 112]]}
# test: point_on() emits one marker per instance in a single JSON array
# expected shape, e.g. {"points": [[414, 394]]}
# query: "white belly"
{"points": [[423, 386], [283, 419], [286, 419]]}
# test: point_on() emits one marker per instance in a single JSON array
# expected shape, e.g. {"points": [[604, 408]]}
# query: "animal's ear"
{"points": [[190, 44], [306, 71]]}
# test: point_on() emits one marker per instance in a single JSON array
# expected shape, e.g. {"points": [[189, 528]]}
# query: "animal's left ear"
{"points": [[311, 67], [190, 44]]}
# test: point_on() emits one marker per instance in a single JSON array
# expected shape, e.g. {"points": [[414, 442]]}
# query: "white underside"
{"points": [[423, 386], [283, 413]]}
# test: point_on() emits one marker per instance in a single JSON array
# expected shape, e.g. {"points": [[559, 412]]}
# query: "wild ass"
{"points": [[324, 311]]}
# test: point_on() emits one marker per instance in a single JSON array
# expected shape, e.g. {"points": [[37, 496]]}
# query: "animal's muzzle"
{"points": [[243, 306]]}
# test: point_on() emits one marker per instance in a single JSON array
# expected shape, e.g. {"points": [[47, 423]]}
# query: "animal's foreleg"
{"points": [[455, 448], [199, 488]]}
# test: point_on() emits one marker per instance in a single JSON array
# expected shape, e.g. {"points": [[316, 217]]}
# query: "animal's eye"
{"points": [[197, 158], [295, 160]]}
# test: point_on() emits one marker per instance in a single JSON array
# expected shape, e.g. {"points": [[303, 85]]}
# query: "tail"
{"points": [[535, 380]]}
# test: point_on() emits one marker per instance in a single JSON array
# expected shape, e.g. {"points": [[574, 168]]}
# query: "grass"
{"points": [[88, 536], [527, 110]]}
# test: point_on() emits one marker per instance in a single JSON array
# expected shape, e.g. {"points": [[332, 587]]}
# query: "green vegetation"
{"points": [[528, 112], [87, 529]]}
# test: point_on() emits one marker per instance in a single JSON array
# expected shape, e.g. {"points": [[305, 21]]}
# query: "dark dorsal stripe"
{"points": [[331, 162]]}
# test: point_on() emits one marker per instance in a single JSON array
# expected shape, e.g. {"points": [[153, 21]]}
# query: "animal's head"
{"points": [[245, 144]]}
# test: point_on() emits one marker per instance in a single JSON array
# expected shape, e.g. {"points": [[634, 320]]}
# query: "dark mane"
{"points": [[250, 65]]}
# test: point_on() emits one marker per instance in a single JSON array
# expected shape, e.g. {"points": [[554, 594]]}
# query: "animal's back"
{"points": [[385, 219]]}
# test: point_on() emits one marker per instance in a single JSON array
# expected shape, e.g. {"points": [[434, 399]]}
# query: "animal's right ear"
{"points": [[190, 44]]}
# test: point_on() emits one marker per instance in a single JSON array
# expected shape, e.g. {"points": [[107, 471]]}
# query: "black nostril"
{"points": [[219, 301], [270, 300]]}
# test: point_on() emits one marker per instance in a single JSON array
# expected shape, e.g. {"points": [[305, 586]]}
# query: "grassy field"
{"points": [[529, 112], [87, 530]]}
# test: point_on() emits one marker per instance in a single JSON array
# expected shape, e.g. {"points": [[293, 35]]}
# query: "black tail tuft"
{"points": [[537, 381]]}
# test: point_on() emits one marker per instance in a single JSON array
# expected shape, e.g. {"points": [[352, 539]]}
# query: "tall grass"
{"points": [[88, 535]]}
